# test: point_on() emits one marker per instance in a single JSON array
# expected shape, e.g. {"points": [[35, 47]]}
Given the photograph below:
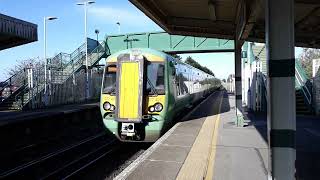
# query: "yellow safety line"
{"points": [[196, 164], [210, 169]]}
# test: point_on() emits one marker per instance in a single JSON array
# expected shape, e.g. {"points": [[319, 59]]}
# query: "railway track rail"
{"points": [[65, 162], [12, 157]]}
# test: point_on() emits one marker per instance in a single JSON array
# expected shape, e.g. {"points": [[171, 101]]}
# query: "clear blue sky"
{"points": [[67, 33]]}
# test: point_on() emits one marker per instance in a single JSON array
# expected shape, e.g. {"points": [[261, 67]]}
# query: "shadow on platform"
{"points": [[307, 142], [210, 106]]}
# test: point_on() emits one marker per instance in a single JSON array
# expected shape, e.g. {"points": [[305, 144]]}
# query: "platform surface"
{"points": [[16, 116], [206, 145]]}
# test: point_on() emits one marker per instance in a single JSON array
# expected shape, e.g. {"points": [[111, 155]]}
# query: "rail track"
{"points": [[65, 162], [72, 160]]}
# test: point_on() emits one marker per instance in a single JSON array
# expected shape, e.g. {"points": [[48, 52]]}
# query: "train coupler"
{"points": [[127, 129]]}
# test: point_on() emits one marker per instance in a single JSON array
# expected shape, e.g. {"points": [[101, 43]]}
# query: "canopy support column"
{"points": [[238, 84], [281, 88]]}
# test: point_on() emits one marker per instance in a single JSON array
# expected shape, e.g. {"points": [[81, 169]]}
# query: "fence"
{"points": [[72, 91]]}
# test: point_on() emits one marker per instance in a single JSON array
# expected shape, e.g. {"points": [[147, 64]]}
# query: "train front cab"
{"points": [[134, 99]]}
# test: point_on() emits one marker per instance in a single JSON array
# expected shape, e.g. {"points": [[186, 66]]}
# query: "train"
{"points": [[143, 90]]}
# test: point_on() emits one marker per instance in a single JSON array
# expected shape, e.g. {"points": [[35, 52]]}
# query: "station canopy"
{"points": [[15, 32], [221, 18]]}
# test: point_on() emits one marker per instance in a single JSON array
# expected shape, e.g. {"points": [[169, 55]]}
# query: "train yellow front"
{"points": [[143, 91]]}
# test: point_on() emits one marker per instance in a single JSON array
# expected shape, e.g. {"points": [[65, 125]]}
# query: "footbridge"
{"points": [[173, 44]]}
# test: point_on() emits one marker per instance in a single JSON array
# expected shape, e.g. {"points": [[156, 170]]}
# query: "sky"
{"points": [[67, 32]]}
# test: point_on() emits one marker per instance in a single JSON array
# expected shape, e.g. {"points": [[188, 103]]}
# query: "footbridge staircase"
{"points": [[18, 91], [303, 86]]}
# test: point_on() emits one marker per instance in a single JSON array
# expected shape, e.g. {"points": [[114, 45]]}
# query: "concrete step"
{"points": [[304, 112], [302, 109], [4, 108], [301, 104], [300, 101]]}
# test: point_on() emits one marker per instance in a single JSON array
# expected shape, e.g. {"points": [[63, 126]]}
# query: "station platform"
{"points": [[205, 145], [7, 117]]}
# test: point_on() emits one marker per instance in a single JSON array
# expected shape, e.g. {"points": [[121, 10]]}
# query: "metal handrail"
{"points": [[299, 68], [9, 83], [60, 58], [302, 83], [21, 95], [265, 81], [78, 58], [10, 79], [75, 62], [99, 49]]}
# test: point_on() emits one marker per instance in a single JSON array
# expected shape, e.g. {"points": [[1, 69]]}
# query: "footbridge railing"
{"points": [[61, 68], [163, 41], [302, 83]]}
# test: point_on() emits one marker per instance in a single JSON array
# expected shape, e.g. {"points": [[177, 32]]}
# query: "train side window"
{"points": [[183, 79], [177, 80]]}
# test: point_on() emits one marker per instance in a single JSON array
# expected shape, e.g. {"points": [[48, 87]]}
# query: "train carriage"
{"points": [[143, 90]]}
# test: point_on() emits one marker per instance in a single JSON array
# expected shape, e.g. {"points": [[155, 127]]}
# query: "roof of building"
{"points": [[15, 32]]}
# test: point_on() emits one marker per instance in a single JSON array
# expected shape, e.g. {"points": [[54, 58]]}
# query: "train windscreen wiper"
{"points": [[113, 91], [152, 87]]}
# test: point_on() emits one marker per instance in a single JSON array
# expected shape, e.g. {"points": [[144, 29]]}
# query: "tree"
{"points": [[306, 58], [22, 64], [189, 60]]}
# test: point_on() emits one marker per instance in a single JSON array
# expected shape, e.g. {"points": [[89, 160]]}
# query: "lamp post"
{"points": [[85, 4], [97, 33], [119, 30], [45, 19]]}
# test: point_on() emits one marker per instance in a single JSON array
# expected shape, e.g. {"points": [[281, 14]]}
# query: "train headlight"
{"points": [[106, 106], [151, 109], [112, 108], [158, 107]]}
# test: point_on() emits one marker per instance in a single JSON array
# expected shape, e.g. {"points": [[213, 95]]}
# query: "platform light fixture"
{"points": [[212, 11], [85, 4], [119, 26], [45, 19]]}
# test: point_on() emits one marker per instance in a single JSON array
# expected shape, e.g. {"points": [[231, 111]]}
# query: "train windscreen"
{"points": [[154, 84], [109, 82], [155, 79]]}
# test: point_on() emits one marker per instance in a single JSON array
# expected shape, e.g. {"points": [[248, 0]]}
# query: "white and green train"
{"points": [[143, 90]]}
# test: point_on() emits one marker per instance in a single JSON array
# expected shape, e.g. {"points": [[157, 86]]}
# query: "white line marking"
{"points": [[185, 135], [127, 171], [174, 145], [155, 160]]}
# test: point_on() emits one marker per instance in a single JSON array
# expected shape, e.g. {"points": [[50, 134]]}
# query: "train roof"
{"points": [[151, 55]]}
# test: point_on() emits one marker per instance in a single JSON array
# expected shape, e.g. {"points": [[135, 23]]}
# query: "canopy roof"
{"points": [[15, 32], [220, 18]]}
